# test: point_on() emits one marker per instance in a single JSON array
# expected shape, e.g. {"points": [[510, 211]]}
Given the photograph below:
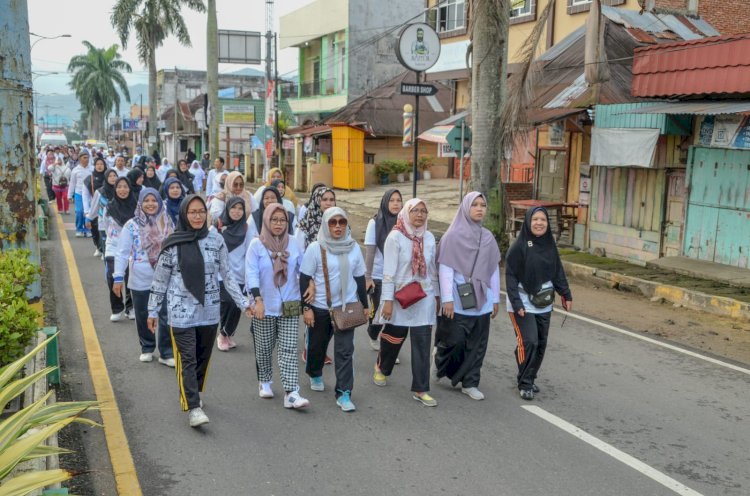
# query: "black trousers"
{"points": [[116, 302], [48, 187], [374, 329], [147, 340], [318, 337], [391, 340], [531, 336], [461, 345], [192, 353], [229, 312], [95, 237]]}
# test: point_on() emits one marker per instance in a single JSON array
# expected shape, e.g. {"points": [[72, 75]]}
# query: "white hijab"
{"points": [[339, 247]]}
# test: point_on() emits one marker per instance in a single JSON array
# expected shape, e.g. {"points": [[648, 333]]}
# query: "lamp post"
{"points": [[46, 38]]}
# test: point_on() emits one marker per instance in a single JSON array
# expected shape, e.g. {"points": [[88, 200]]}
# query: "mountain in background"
{"points": [[60, 110]]}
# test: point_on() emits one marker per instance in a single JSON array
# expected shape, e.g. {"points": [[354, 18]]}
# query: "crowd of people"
{"points": [[186, 252]]}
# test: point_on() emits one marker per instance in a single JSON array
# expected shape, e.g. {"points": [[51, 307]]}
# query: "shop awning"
{"points": [[696, 108], [436, 134], [618, 147]]}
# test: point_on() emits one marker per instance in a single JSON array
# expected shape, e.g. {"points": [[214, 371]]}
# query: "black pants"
{"points": [[391, 340], [228, 310], [318, 337], [103, 241], [48, 187], [95, 234], [374, 329], [147, 339], [116, 302], [192, 349], [531, 336], [461, 345]]}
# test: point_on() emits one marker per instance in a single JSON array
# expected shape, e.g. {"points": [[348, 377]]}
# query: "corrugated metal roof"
{"points": [[715, 65], [695, 108]]}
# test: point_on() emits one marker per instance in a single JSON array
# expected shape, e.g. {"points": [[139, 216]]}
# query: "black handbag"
{"points": [[544, 298], [466, 290]]}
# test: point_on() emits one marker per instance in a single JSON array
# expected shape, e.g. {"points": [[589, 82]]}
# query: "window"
{"points": [[576, 6], [451, 15], [522, 11]]}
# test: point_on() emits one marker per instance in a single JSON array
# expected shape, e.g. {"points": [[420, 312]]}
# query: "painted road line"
{"points": [[615, 453], [647, 339], [123, 466]]}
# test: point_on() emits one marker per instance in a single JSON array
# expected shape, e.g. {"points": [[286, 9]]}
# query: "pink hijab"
{"points": [[415, 234], [276, 245]]}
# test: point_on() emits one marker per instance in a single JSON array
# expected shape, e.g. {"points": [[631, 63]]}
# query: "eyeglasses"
{"points": [[196, 213], [278, 220], [340, 222], [419, 211]]}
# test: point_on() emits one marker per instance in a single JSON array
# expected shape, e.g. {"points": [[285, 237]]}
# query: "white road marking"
{"points": [[647, 339], [615, 453]]}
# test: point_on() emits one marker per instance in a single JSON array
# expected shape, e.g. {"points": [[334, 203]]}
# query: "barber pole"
{"points": [[408, 139]]}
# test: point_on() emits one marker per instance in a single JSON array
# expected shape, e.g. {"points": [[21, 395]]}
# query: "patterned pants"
{"points": [[267, 333]]}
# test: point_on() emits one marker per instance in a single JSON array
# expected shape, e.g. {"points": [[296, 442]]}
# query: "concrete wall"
{"points": [[313, 21]]}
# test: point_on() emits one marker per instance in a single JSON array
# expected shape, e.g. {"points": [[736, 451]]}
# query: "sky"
{"points": [[89, 20]]}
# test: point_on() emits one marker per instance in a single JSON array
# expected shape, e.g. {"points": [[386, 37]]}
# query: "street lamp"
{"points": [[46, 38]]}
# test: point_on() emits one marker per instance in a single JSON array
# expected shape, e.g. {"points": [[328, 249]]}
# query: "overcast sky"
{"points": [[89, 20]]}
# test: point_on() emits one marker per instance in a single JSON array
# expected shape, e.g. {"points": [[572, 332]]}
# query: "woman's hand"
{"points": [[152, 323], [249, 312], [387, 311], [309, 295], [260, 310], [88, 225], [369, 284], [521, 312], [448, 310], [567, 305], [495, 309], [367, 313], [309, 317], [117, 289]]}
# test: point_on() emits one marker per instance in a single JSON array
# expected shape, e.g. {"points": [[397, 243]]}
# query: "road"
{"points": [[683, 420]]}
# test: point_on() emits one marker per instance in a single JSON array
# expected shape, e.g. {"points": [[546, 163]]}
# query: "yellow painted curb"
{"points": [[123, 466]]}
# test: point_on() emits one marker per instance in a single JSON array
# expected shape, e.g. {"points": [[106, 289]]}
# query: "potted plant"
{"points": [[383, 171], [424, 165], [399, 167]]}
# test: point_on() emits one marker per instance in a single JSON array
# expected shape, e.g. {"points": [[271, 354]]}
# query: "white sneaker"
{"points": [[473, 393], [264, 390], [131, 314], [147, 357], [375, 344], [117, 317], [196, 417], [398, 361], [79, 235], [169, 362], [102, 257], [97, 252], [294, 400]]}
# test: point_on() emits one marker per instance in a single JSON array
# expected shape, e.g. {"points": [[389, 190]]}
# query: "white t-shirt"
{"points": [[259, 274], [371, 240], [312, 265], [527, 305]]}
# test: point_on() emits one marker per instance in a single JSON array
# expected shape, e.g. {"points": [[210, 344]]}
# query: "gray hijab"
{"points": [[339, 247]]}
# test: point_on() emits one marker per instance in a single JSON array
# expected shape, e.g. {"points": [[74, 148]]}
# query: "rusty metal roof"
{"points": [[695, 108], [709, 66]]}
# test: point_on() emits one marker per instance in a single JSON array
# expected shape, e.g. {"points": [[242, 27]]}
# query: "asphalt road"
{"points": [[685, 419]]}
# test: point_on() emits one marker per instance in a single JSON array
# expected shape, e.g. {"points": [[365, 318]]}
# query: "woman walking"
{"points": [[136, 177], [94, 182], [334, 262], [410, 278], [272, 273], [309, 226], [187, 275], [468, 259], [533, 274], [60, 175], [185, 177], [173, 194], [140, 241], [303, 208], [98, 208], [119, 211], [290, 207], [77, 185], [378, 229], [273, 174], [198, 176], [151, 178], [269, 197], [232, 225], [234, 185]]}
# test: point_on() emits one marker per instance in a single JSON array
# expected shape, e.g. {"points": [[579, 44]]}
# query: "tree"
{"points": [[97, 75], [212, 70], [153, 21]]}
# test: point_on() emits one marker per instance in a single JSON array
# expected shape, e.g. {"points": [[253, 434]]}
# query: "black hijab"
{"points": [[534, 259], [233, 231], [384, 219], [258, 214], [133, 176], [151, 182], [96, 180], [121, 210], [189, 255], [185, 177], [108, 190]]}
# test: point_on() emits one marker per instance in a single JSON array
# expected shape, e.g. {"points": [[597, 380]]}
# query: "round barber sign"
{"points": [[418, 47]]}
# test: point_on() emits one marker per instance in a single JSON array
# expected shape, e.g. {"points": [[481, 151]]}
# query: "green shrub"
{"points": [[396, 166], [382, 169], [18, 320]]}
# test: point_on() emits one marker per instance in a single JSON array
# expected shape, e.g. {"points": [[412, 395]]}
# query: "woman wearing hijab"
{"points": [[136, 176], [151, 179], [173, 194], [533, 274], [185, 177], [272, 274], [119, 211], [164, 169], [280, 186], [378, 229], [187, 275], [60, 174], [198, 176], [346, 280], [93, 183], [97, 210], [233, 185], [140, 244], [276, 173], [409, 278], [269, 197], [467, 255], [232, 225], [322, 199]]}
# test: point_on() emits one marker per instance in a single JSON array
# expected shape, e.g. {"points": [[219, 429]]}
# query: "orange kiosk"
{"points": [[348, 157]]}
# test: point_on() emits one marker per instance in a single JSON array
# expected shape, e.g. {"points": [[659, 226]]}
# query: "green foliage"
{"points": [[396, 166], [495, 220], [18, 320], [425, 163], [382, 169]]}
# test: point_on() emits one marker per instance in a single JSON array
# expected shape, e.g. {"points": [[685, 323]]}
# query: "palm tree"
{"points": [[97, 75], [153, 21]]}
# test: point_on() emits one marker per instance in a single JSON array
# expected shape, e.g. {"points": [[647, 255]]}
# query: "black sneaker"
{"points": [[527, 394]]}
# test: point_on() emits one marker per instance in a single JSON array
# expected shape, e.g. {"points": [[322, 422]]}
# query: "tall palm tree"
{"points": [[153, 21], [97, 75]]}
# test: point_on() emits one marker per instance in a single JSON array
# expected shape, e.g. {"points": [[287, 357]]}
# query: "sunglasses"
{"points": [[340, 222]]}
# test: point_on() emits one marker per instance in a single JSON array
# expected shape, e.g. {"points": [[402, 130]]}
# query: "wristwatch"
{"points": [[306, 308]]}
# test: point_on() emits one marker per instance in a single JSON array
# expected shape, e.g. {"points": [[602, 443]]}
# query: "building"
{"points": [[346, 48], [731, 17]]}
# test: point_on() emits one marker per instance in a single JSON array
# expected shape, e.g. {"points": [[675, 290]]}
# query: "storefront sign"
{"points": [[556, 134], [238, 114], [725, 131], [418, 47]]}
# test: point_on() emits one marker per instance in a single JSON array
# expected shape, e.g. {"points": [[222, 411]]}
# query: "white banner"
{"points": [[618, 147]]}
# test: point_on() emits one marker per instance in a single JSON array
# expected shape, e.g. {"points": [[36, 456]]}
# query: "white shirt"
{"points": [[259, 274], [110, 161], [121, 172], [371, 240], [527, 305], [78, 180], [236, 257], [113, 235], [450, 279], [397, 273], [211, 180], [130, 248], [312, 265]]}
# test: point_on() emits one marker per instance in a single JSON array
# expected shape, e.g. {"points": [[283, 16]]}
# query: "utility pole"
{"points": [[212, 70], [270, 98], [18, 177], [140, 122], [176, 105]]}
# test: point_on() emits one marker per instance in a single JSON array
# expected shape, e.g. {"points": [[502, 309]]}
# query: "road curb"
{"points": [[694, 300]]}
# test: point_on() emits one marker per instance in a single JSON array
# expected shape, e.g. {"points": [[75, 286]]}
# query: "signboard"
{"points": [[454, 138], [418, 89], [725, 131], [238, 114], [130, 125], [418, 47], [239, 47], [556, 134]]}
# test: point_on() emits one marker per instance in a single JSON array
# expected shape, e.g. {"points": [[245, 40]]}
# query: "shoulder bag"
{"points": [[466, 290], [344, 317]]}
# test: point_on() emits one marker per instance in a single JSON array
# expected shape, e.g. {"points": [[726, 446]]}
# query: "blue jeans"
{"points": [[80, 215], [148, 340]]}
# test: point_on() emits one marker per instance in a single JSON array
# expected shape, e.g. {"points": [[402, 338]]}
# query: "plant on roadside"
{"points": [[425, 163], [396, 166], [382, 170], [18, 320], [23, 434]]}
